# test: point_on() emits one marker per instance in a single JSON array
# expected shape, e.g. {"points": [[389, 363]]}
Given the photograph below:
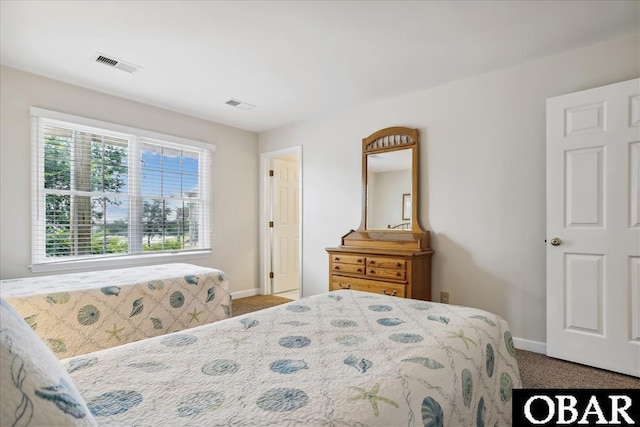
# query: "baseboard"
{"points": [[244, 294], [528, 345]]}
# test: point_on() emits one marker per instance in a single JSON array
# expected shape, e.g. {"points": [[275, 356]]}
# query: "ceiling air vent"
{"points": [[240, 104], [116, 63]]}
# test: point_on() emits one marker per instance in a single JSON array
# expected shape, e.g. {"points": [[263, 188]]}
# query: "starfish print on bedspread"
{"points": [[113, 333], [373, 398], [465, 340]]}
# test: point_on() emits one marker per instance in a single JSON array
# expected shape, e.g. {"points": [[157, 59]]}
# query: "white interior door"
{"points": [[593, 227], [286, 226]]}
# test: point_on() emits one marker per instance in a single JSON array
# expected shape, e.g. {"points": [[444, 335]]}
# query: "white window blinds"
{"points": [[109, 191]]}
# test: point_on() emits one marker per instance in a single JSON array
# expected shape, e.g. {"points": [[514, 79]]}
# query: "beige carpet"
{"points": [[536, 370], [540, 371], [257, 302]]}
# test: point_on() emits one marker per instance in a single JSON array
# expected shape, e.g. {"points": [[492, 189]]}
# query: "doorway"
{"points": [[281, 223]]}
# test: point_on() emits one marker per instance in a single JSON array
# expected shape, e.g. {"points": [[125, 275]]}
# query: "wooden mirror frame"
{"points": [[385, 140]]}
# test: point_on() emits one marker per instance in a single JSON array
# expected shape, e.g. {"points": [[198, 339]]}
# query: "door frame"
{"points": [[264, 216]]}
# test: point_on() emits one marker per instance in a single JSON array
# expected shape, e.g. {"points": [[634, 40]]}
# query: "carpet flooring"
{"points": [[536, 370], [540, 371], [257, 302]]}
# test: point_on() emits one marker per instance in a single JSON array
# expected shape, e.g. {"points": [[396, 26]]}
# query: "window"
{"points": [[105, 191]]}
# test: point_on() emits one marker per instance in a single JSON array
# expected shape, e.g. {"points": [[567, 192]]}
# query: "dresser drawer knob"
{"points": [[337, 258], [372, 272], [371, 261], [336, 267], [398, 264], [348, 286], [393, 294], [359, 270], [397, 273], [359, 260]]}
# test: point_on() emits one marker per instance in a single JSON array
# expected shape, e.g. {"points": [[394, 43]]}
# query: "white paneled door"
{"points": [[286, 226], [593, 227]]}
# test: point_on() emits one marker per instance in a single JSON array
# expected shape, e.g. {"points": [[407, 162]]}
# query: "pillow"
{"points": [[36, 390]]}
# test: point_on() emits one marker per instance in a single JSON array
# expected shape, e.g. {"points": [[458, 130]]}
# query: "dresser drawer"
{"points": [[381, 262], [405, 273], [347, 268], [387, 273], [348, 259], [374, 286]]}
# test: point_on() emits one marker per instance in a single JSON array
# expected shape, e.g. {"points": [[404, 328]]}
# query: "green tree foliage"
{"points": [[155, 219], [108, 169], [173, 244], [104, 243], [108, 175]]}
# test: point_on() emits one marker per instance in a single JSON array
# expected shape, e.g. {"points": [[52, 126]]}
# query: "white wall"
{"points": [[482, 179], [235, 170]]}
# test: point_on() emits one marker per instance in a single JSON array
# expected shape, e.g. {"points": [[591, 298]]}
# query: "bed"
{"points": [[339, 358], [79, 313]]}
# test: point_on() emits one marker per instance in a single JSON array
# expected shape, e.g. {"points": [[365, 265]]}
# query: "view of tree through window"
{"points": [[104, 194], [78, 167], [169, 187]]}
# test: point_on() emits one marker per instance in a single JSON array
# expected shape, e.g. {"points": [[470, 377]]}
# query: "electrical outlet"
{"points": [[444, 297]]}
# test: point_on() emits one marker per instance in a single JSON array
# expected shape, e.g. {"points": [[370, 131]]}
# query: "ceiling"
{"points": [[293, 60]]}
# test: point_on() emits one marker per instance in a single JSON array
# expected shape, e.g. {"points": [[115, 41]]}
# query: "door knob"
{"points": [[555, 241]]}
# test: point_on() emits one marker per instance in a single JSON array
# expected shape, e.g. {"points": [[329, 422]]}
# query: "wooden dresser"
{"points": [[391, 263], [389, 253]]}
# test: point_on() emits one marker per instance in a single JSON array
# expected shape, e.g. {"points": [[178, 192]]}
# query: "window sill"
{"points": [[116, 261]]}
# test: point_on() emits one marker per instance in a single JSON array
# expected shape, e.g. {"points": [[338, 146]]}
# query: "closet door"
{"points": [[593, 227]]}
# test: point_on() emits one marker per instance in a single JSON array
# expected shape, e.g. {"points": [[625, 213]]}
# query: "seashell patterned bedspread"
{"points": [[83, 312], [343, 358]]}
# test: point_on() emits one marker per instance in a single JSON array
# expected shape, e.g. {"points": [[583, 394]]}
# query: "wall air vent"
{"points": [[116, 63], [240, 104]]}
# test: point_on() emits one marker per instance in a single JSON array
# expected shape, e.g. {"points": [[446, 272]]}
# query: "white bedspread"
{"points": [[342, 358]]}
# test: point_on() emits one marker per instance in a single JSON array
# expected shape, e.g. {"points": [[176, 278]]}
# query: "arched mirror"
{"points": [[390, 253], [390, 181]]}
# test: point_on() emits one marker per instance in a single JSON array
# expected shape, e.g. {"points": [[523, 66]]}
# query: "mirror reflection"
{"points": [[389, 196]]}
